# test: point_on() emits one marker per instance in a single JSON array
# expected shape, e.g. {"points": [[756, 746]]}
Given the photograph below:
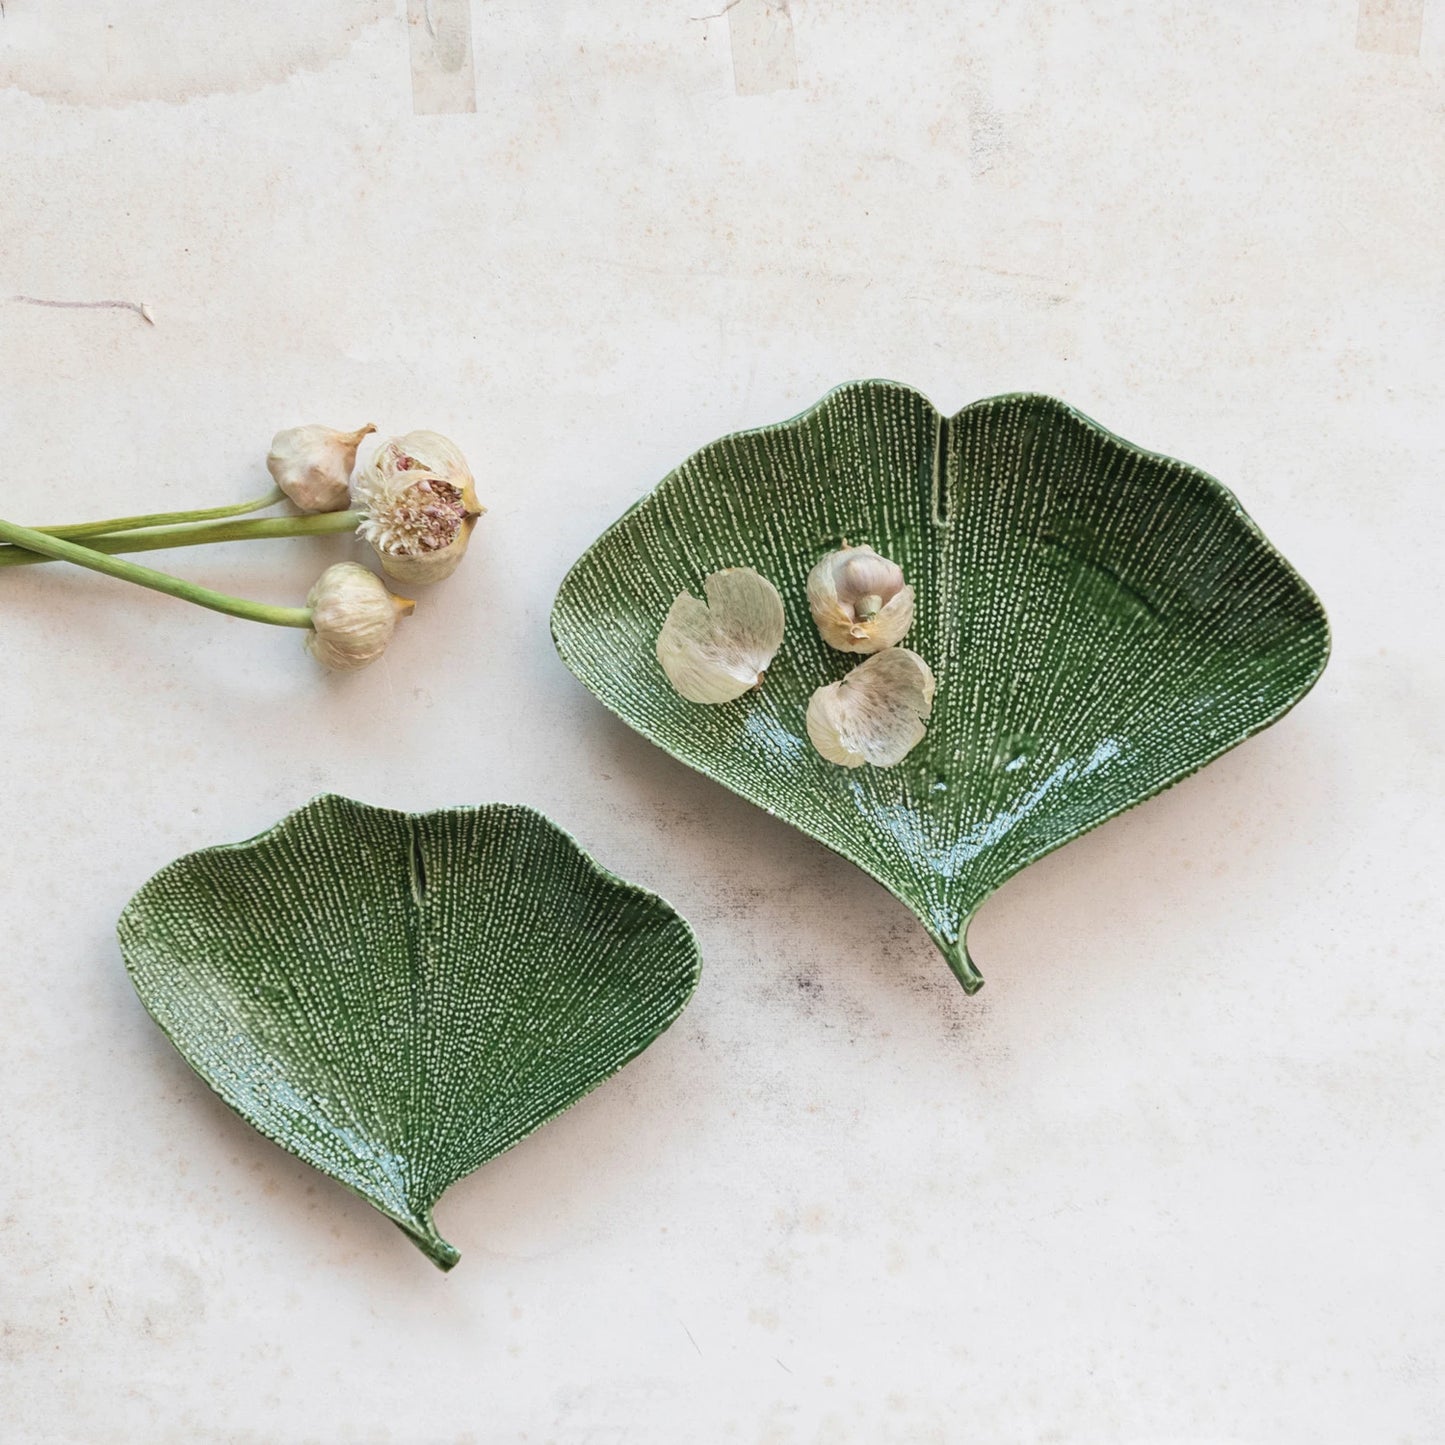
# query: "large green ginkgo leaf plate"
{"points": [[396, 998], [1101, 621]]}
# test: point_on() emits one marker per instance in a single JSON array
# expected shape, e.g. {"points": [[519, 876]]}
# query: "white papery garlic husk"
{"points": [[420, 505], [859, 600], [312, 465], [876, 714], [716, 651], [352, 616]]}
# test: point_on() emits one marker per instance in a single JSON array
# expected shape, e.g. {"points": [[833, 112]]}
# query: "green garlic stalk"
{"points": [[195, 534], [160, 519]]}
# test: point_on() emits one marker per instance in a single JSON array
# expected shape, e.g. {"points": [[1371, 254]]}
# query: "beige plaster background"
{"points": [[1176, 1174]]}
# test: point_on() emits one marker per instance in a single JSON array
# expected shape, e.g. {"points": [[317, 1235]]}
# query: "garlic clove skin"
{"points": [[420, 506], [312, 465], [716, 651], [876, 714], [859, 600], [352, 616]]}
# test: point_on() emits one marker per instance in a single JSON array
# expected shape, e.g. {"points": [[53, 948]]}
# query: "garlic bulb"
{"points": [[312, 465], [352, 616], [716, 651], [875, 714], [859, 600], [420, 506]]}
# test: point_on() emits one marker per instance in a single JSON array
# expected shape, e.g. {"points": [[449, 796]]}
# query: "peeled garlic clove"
{"points": [[352, 616], [420, 506], [859, 600], [875, 714], [716, 651], [312, 465]]}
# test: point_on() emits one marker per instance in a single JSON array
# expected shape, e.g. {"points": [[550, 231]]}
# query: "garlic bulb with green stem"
{"points": [[415, 501], [313, 465], [418, 504], [348, 624], [352, 616], [859, 600]]}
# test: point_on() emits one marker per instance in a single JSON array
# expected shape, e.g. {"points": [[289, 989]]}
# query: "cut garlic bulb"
{"points": [[420, 506]]}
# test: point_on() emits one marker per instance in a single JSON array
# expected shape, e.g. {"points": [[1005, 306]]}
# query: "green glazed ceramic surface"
{"points": [[1101, 621], [397, 998]]}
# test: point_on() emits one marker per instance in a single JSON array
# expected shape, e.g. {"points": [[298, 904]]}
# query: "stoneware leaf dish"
{"points": [[1101, 621], [396, 998]]}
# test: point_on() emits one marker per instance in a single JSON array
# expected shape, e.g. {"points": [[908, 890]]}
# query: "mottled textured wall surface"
{"points": [[1175, 1174]]}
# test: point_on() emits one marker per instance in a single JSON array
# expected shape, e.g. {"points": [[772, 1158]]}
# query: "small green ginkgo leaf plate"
{"points": [[1101, 621], [396, 998]]}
